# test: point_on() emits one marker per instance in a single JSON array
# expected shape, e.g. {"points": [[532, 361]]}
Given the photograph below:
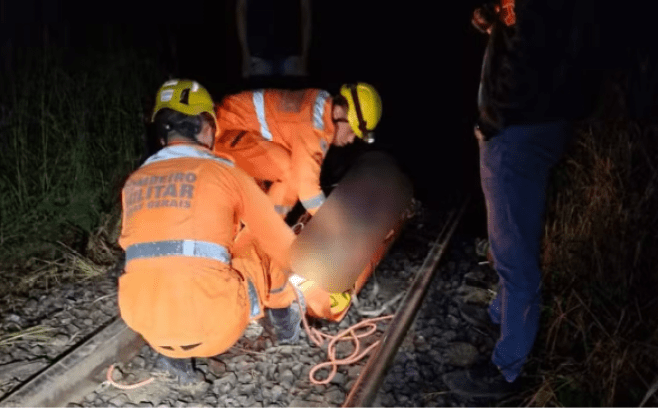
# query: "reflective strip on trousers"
{"points": [[314, 202], [184, 151], [324, 146], [188, 248], [253, 300], [282, 209], [259, 106], [318, 109]]}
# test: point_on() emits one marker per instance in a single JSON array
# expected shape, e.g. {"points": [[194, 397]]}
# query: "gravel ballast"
{"points": [[257, 373]]}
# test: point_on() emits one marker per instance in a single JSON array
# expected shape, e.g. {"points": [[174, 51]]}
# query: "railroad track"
{"points": [[257, 373]]}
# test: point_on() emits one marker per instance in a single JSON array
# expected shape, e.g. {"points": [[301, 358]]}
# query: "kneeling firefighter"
{"points": [[282, 137], [205, 250]]}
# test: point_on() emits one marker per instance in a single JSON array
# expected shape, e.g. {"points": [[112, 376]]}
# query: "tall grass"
{"points": [[600, 325], [69, 134]]}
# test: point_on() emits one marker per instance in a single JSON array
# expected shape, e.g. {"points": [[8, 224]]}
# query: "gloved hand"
{"points": [[287, 321]]}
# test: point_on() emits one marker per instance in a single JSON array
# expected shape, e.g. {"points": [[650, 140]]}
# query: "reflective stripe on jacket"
{"points": [[181, 193], [299, 120]]}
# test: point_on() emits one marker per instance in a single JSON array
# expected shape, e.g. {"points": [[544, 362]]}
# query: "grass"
{"points": [[36, 333], [599, 334], [71, 132]]}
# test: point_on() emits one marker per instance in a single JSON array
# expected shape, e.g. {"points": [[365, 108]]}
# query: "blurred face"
{"points": [[343, 134]]}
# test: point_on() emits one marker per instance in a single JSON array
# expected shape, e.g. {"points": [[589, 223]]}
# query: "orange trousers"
{"points": [[271, 282], [205, 316]]}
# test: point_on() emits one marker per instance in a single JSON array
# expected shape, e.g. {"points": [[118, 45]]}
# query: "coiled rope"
{"points": [[319, 338], [110, 381]]}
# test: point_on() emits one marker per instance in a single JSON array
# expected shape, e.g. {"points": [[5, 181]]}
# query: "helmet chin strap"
{"points": [[366, 135], [359, 114]]}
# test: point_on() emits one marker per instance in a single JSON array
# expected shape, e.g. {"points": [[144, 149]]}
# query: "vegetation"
{"points": [[598, 341], [70, 134]]}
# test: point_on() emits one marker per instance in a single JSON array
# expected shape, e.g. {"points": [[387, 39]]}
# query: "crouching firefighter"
{"points": [[283, 136], [205, 250]]}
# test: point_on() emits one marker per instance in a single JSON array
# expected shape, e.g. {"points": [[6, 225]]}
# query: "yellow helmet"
{"points": [[185, 96], [364, 108]]}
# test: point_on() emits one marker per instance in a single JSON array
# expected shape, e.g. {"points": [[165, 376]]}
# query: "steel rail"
{"points": [[371, 377], [80, 371]]}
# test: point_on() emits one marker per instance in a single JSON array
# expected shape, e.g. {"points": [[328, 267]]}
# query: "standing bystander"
{"points": [[530, 91], [275, 37]]}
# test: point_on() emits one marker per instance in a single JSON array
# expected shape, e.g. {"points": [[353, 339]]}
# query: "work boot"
{"points": [[287, 321], [483, 380], [479, 318], [180, 370]]}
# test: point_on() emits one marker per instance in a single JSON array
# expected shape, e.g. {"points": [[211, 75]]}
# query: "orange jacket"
{"points": [[300, 121], [181, 213]]}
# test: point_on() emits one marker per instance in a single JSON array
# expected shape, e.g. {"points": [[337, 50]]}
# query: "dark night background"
{"points": [[423, 57]]}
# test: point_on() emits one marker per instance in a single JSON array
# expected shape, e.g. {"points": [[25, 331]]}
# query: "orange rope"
{"points": [[319, 337], [121, 386]]}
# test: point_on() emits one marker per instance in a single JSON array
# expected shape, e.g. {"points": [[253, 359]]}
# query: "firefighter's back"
{"points": [[178, 225]]}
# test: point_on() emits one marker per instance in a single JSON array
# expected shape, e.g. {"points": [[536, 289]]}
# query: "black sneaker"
{"points": [[479, 318], [481, 381]]}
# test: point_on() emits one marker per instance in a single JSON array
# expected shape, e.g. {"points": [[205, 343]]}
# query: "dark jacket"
{"points": [[535, 71]]}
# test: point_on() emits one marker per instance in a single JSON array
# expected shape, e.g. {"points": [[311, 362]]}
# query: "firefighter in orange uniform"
{"points": [[283, 136], [205, 251]]}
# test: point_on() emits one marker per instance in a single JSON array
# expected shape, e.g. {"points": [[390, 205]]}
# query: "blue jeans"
{"points": [[514, 170]]}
